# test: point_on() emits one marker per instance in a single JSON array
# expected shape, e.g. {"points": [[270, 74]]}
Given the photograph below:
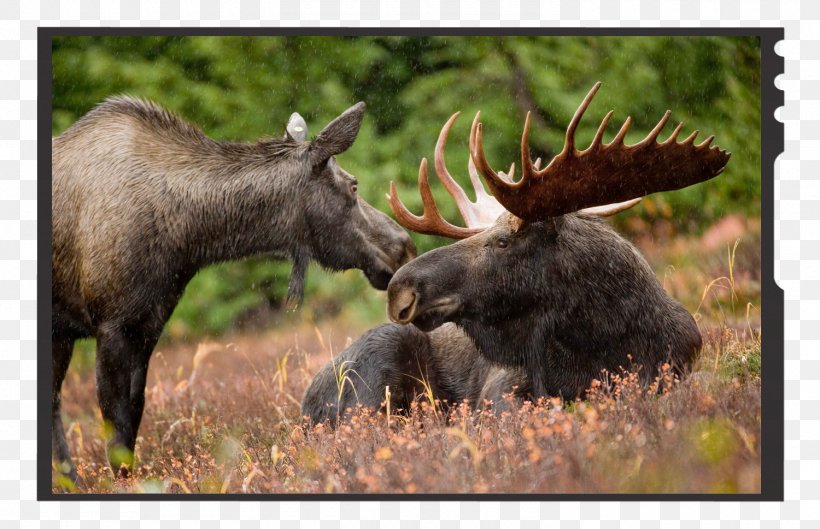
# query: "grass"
{"points": [[223, 416]]}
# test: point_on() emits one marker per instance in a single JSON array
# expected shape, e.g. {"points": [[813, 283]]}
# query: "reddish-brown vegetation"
{"points": [[224, 416]]}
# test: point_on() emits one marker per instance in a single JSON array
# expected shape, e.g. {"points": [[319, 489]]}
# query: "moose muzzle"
{"points": [[411, 299]]}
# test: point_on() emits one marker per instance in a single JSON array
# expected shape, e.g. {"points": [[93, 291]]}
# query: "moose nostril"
{"points": [[407, 310], [402, 307]]}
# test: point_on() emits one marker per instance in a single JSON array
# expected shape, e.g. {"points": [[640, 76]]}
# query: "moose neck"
{"points": [[516, 342], [231, 202]]}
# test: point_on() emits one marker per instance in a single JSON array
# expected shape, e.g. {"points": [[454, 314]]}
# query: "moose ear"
{"points": [[550, 227], [338, 135], [297, 128]]}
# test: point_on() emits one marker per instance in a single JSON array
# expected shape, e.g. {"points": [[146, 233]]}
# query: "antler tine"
{"points": [[471, 168], [486, 208], [443, 174], [527, 166], [431, 222], [508, 176], [674, 136], [619, 138], [705, 143], [691, 138], [597, 141], [610, 209], [653, 134], [569, 139], [476, 180], [477, 151]]}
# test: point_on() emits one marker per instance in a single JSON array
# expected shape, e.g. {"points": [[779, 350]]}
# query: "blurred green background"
{"points": [[241, 88]]}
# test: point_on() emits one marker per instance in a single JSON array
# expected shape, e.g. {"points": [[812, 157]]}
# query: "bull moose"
{"points": [[142, 200], [541, 295]]}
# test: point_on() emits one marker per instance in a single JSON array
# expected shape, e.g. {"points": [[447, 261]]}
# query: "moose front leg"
{"points": [[61, 350], [119, 371]]}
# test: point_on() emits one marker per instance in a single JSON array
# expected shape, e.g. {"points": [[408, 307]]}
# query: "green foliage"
{"points": [[742, 364], [241, 88]]}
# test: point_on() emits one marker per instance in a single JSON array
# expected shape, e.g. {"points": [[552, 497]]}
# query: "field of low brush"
{"points": [[223, 415]]}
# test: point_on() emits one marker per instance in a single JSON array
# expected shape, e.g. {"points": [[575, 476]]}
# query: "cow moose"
{"points": [[541, 295], [142, 200]]}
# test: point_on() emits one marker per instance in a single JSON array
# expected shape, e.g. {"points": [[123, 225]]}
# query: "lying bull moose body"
{"points": [[541, 296], [142, 200]]}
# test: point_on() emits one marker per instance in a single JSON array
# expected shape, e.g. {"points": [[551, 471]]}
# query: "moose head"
{"points": [[337, 227], [538, 279]]}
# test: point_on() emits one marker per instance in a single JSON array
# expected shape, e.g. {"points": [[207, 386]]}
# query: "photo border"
{"points": [[772, 348]]}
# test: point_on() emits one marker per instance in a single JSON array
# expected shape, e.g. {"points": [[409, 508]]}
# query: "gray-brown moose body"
{"points": [[142, 200], [541, 296]]}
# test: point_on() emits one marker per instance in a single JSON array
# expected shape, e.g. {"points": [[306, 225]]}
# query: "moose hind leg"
{"points": [[116, 353], [61, 351]]}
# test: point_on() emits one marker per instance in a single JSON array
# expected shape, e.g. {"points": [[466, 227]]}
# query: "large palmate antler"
{"points": [[477, 215], [603, 172]]}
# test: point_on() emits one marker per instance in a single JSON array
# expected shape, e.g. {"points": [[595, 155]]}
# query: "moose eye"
{"points": [[503, 242]]}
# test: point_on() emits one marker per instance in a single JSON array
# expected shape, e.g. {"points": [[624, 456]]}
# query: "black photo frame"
{"points": [[772, 379]]}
